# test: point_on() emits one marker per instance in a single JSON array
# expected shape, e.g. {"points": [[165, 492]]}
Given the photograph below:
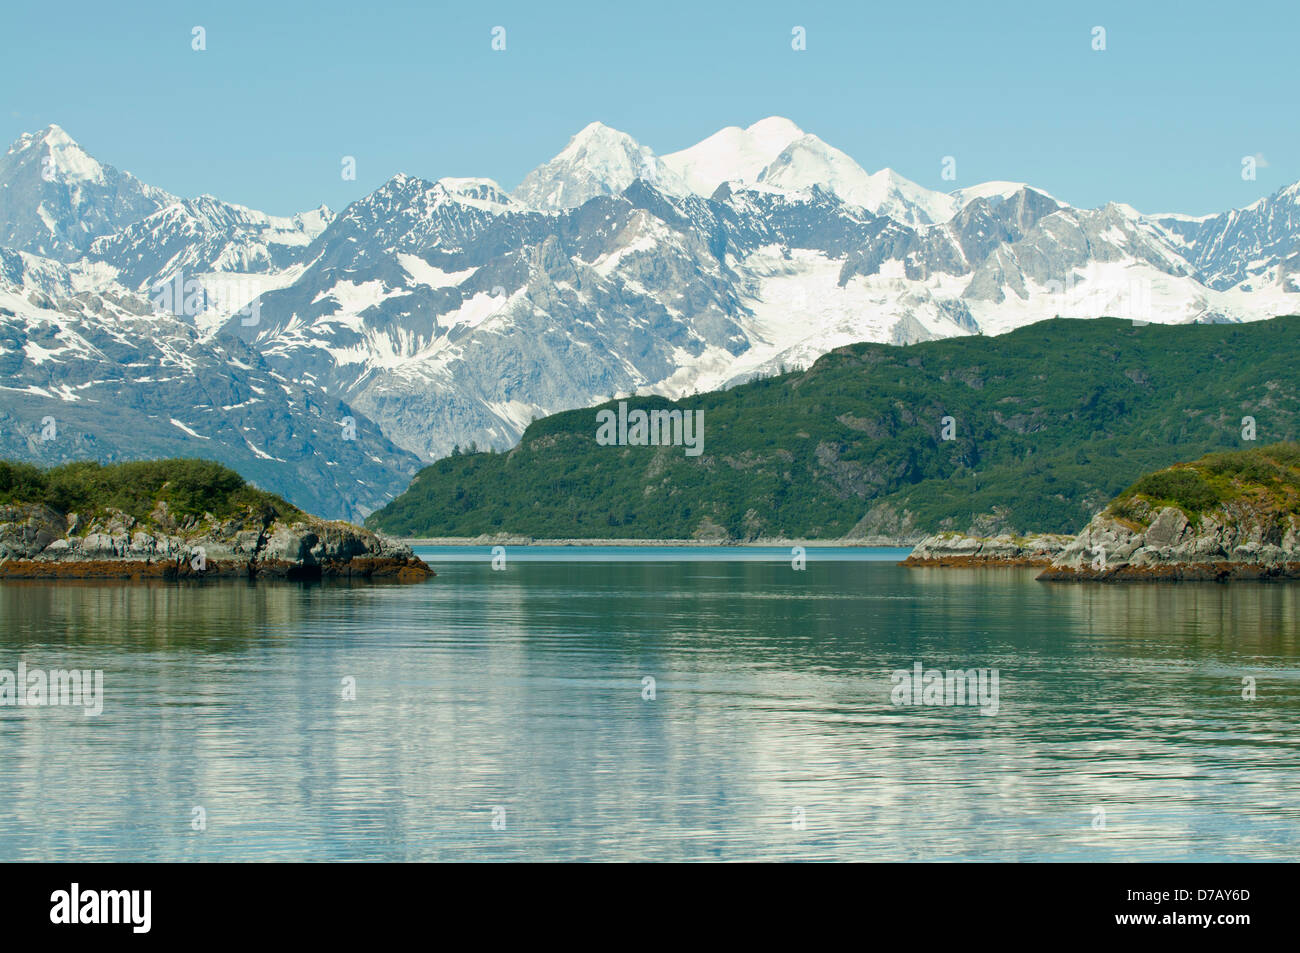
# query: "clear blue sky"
{"points": [[1013, 90]]}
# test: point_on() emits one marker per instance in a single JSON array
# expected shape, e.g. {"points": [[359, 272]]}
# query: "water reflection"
{"points": [[523, 690]]}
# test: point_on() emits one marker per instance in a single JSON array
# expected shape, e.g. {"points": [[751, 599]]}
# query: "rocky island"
{"points": [[1233, 515], [176, 519], [1230, 515]]}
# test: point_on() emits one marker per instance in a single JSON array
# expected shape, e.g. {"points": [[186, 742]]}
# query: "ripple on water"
{"points": [[768, 731]]}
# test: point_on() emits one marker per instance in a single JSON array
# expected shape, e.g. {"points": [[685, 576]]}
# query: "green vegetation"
{"points": [[1052, 421], [190, 488], [1262, 478]]}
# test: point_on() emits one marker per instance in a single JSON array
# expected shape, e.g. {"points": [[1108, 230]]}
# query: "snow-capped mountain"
{"points": [[207, 235], [1252, 248], [809, 162], [597, 161], [104, 377], [732, 154], [450, 312], [55, 199], [773, 152]]}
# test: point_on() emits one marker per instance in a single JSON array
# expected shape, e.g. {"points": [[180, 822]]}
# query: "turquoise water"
{"points": [[516, 696]]}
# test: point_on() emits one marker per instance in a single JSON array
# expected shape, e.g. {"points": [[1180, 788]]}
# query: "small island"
{"points": [[1231, 515], [176, 519]]}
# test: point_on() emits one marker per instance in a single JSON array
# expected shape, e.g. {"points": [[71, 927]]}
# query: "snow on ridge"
{"points": [[809, 161], [176, 423], [481, 193], [997, 189]]}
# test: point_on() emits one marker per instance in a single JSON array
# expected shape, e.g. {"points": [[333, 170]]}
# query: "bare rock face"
{"points": [[885, 526], [28, 530], [39, 542], [957, 549], [1235, 541]]}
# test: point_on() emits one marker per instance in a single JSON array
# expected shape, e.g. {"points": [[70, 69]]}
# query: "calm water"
{"points": [[517, 695]]}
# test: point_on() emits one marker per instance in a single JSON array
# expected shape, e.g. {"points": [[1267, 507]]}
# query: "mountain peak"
{"points": [[403, 182], [599, 160], [599, 132], [399, 188], [809, 162], [54, 134], [50, 134], [775, 128], [55, 199], [597, 143], [732, 154], [68, 160]]}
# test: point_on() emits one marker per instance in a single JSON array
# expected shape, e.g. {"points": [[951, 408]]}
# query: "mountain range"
{"points": [[326, 355]]}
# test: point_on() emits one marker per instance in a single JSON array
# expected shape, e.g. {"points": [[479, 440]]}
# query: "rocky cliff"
{"points": [[1225, 516]]}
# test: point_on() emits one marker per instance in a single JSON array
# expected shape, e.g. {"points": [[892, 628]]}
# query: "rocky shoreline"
{"points": [[1112, 550], [39, 542], [952, 550], [1234, 542]]}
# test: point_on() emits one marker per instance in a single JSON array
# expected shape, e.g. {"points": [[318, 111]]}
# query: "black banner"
{"points": [[947, 903]]}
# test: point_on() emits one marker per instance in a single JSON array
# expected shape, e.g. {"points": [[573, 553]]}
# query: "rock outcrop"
{"points": [[38, 541], [957, 549], [1231, 515], [1236, 541]]}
